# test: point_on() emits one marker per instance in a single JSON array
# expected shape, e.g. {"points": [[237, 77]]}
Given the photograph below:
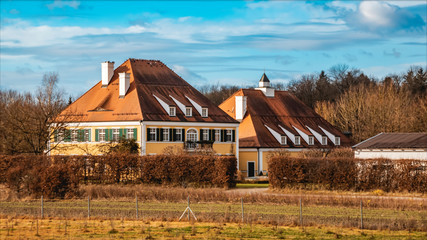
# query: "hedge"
{"points": [[59, 176], [348, 174]]}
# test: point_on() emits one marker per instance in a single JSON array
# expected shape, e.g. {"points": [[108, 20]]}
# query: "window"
{"points": [[86, 136], [129, 134], [74, 135], [101, 133], [204, 112], [217, 135], [188, 111], [337, 140], [297, 140], [310, 140], [116, 134], [61, 134], [172, 111], [166, 134], [205, 134], [229, 135], [153, 134], [191, 138], [178, 135], [283, 140], [324, 140]]}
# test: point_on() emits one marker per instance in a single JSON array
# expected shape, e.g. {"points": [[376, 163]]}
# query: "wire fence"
{"points": [[299, 214]]}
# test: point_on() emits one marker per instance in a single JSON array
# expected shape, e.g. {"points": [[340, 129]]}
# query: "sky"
{"points": [[208, 42]]}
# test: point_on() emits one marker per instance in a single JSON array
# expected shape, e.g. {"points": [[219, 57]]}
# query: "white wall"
{"points": [[392, 154]]}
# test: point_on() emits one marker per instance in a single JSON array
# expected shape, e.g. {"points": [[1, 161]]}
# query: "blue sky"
{"points": [[214, 42]]}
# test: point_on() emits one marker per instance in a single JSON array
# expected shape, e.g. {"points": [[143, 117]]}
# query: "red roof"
{"points": [[147, 77], [284, 110], [395, 140]]}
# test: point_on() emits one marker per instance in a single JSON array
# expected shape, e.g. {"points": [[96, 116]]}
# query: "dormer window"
{"points": [[283, 140], [172, 111], [297, 140], [188, 111], [324, 140], [337, 140], [310, 140], [204, 112]]}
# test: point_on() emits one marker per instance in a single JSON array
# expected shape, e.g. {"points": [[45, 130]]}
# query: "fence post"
{"points": [[88, 207], [361, 214], [243, 220], [188, 206], [41, 207], [136, 197], [300, 211]]}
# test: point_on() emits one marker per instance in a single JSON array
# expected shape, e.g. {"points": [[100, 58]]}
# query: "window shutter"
{"points": [[68, 135], [96, 135], [125, 133], [158, 134], [211, 135], [201, 134], [173, 135], [183, 134], [110, 134], [55, 136], [90, 135], [148, 134], [120, 133], [233, 136], [170, 134], [222, 135], [134, 134]]}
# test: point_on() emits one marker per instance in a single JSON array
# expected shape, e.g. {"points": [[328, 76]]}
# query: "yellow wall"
{"points": [[245, 157]]}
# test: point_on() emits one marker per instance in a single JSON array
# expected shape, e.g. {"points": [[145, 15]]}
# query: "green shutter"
{"points": [[161, 134], [211, 135], [67, 135], [148, 134], [233, 136], [110, 134], [135, 132], [125, 133], [55, 136], [96, 135], [173, 134], [120, 133], [157, 134], [170, 134], [90, 135]]}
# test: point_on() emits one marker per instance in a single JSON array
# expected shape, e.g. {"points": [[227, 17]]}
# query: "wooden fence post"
{"points": [[88, 207], [243, 220], [41, 207], [300, 211], [188, 206], [361, 214], [136, 200]]}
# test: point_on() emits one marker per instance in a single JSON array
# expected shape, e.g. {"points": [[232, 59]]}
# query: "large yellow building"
{"points": [[272, 121], [146, 101]]}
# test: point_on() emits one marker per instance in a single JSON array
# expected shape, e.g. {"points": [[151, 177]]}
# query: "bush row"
{"points": [[59, 176], [348, 174]]}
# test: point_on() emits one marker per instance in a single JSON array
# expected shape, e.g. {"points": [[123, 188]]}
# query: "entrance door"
{"points": [[251, 169]]}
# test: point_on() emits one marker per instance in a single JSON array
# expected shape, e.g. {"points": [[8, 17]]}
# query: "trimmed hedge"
{"points": [[348, 174], [59, 176]]}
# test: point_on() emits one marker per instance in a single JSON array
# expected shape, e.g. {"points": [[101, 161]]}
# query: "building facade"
{"points": [[146, 101], [273, 121]]}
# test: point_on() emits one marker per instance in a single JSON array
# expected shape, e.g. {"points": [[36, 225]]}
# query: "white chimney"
{"points": [[107, 70], [124, 79], [240, 107]]}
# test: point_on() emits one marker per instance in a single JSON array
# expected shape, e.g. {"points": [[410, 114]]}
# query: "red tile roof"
{"points": [[284, 110], [147, 77]]}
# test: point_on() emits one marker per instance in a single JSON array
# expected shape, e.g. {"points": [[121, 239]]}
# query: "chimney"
{"points": [[240, 107], [124, 79], [107, 70]]}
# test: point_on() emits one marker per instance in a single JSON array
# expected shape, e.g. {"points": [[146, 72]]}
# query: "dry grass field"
{"points": [[27, 228]]}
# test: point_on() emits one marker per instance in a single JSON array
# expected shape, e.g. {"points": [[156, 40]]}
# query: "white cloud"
{"points": [[377, 13], [61, 4]]}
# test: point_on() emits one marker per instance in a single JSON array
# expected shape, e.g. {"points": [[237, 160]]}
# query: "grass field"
{"points": [[313, 215], [17, 228]]}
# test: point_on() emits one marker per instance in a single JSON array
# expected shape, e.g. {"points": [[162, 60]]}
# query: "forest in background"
{"points": [[352, 101]]}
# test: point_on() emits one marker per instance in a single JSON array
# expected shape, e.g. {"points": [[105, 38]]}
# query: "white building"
{"points": [[393, 146]]}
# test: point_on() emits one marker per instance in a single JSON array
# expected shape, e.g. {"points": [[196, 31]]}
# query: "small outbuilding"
{"points": [[393, 146]]}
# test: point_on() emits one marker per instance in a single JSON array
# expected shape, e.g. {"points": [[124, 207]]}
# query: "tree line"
{"points": [[349, 99]]}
